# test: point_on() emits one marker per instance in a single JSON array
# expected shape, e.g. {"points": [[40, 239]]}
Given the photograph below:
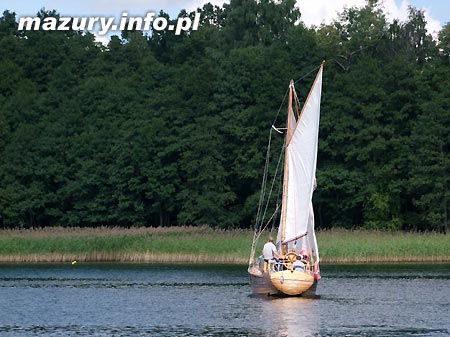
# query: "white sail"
{"points": [[309, 242], [301, 154]]}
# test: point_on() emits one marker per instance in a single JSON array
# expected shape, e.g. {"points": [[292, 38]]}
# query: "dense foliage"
{"points": [[161, 129]]}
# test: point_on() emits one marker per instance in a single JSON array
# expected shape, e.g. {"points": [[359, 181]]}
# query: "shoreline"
{"points": [[205, 245], [151, 258]]}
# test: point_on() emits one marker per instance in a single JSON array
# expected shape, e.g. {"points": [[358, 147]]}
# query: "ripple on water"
{"points": [[377, 300]]}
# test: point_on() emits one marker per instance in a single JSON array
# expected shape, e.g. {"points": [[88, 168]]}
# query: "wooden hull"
{"points": [[282, 283], [261, 284], [293, 282]]}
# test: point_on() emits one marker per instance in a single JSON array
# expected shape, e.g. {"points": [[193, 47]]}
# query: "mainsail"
{"points": [[300, 171]]}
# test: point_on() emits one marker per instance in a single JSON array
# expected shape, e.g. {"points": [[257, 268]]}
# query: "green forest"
{"points": [[156, 129]]}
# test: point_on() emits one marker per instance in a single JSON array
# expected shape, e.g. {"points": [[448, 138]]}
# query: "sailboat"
{"points": [[296, 270]]}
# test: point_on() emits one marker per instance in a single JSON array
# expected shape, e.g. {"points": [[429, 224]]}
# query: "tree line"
{"points": [[158, 129]]}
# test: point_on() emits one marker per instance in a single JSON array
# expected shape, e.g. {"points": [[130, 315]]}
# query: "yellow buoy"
{"points": [[74, 262]]}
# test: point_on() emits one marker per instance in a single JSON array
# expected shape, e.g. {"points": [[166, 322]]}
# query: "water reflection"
{"points": [[293, 316]]}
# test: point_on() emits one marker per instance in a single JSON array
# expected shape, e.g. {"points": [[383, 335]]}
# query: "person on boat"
{"points": [[269, 252], [304, 254], [298, 264]]}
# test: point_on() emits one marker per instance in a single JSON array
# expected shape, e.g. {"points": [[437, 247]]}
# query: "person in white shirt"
{"points": [[269, 252]]}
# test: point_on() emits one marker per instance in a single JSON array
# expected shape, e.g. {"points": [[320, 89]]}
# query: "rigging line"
{"points": [[257, 235], [273, 181], [261, 201], [281, 105], [287, 90], [307, 74], [263, 184], [298, 103], [278, 200], [268, 221], [258, 226]]}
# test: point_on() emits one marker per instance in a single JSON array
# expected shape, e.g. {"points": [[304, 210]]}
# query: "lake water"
{"points": [[149, 300]]}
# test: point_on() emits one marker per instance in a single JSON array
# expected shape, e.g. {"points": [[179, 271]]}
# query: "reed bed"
{"points": [[383, 246], [166, 244], [206, 245]]}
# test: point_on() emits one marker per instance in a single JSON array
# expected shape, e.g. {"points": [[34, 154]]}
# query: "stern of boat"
{"points": [[292, 282]]}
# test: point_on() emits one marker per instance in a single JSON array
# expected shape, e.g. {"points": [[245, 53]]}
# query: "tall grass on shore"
{"points": [[382, 246], [166, 244], [206, 245]]}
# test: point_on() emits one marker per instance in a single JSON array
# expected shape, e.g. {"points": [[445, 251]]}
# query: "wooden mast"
{"points": [[286, 170]]}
